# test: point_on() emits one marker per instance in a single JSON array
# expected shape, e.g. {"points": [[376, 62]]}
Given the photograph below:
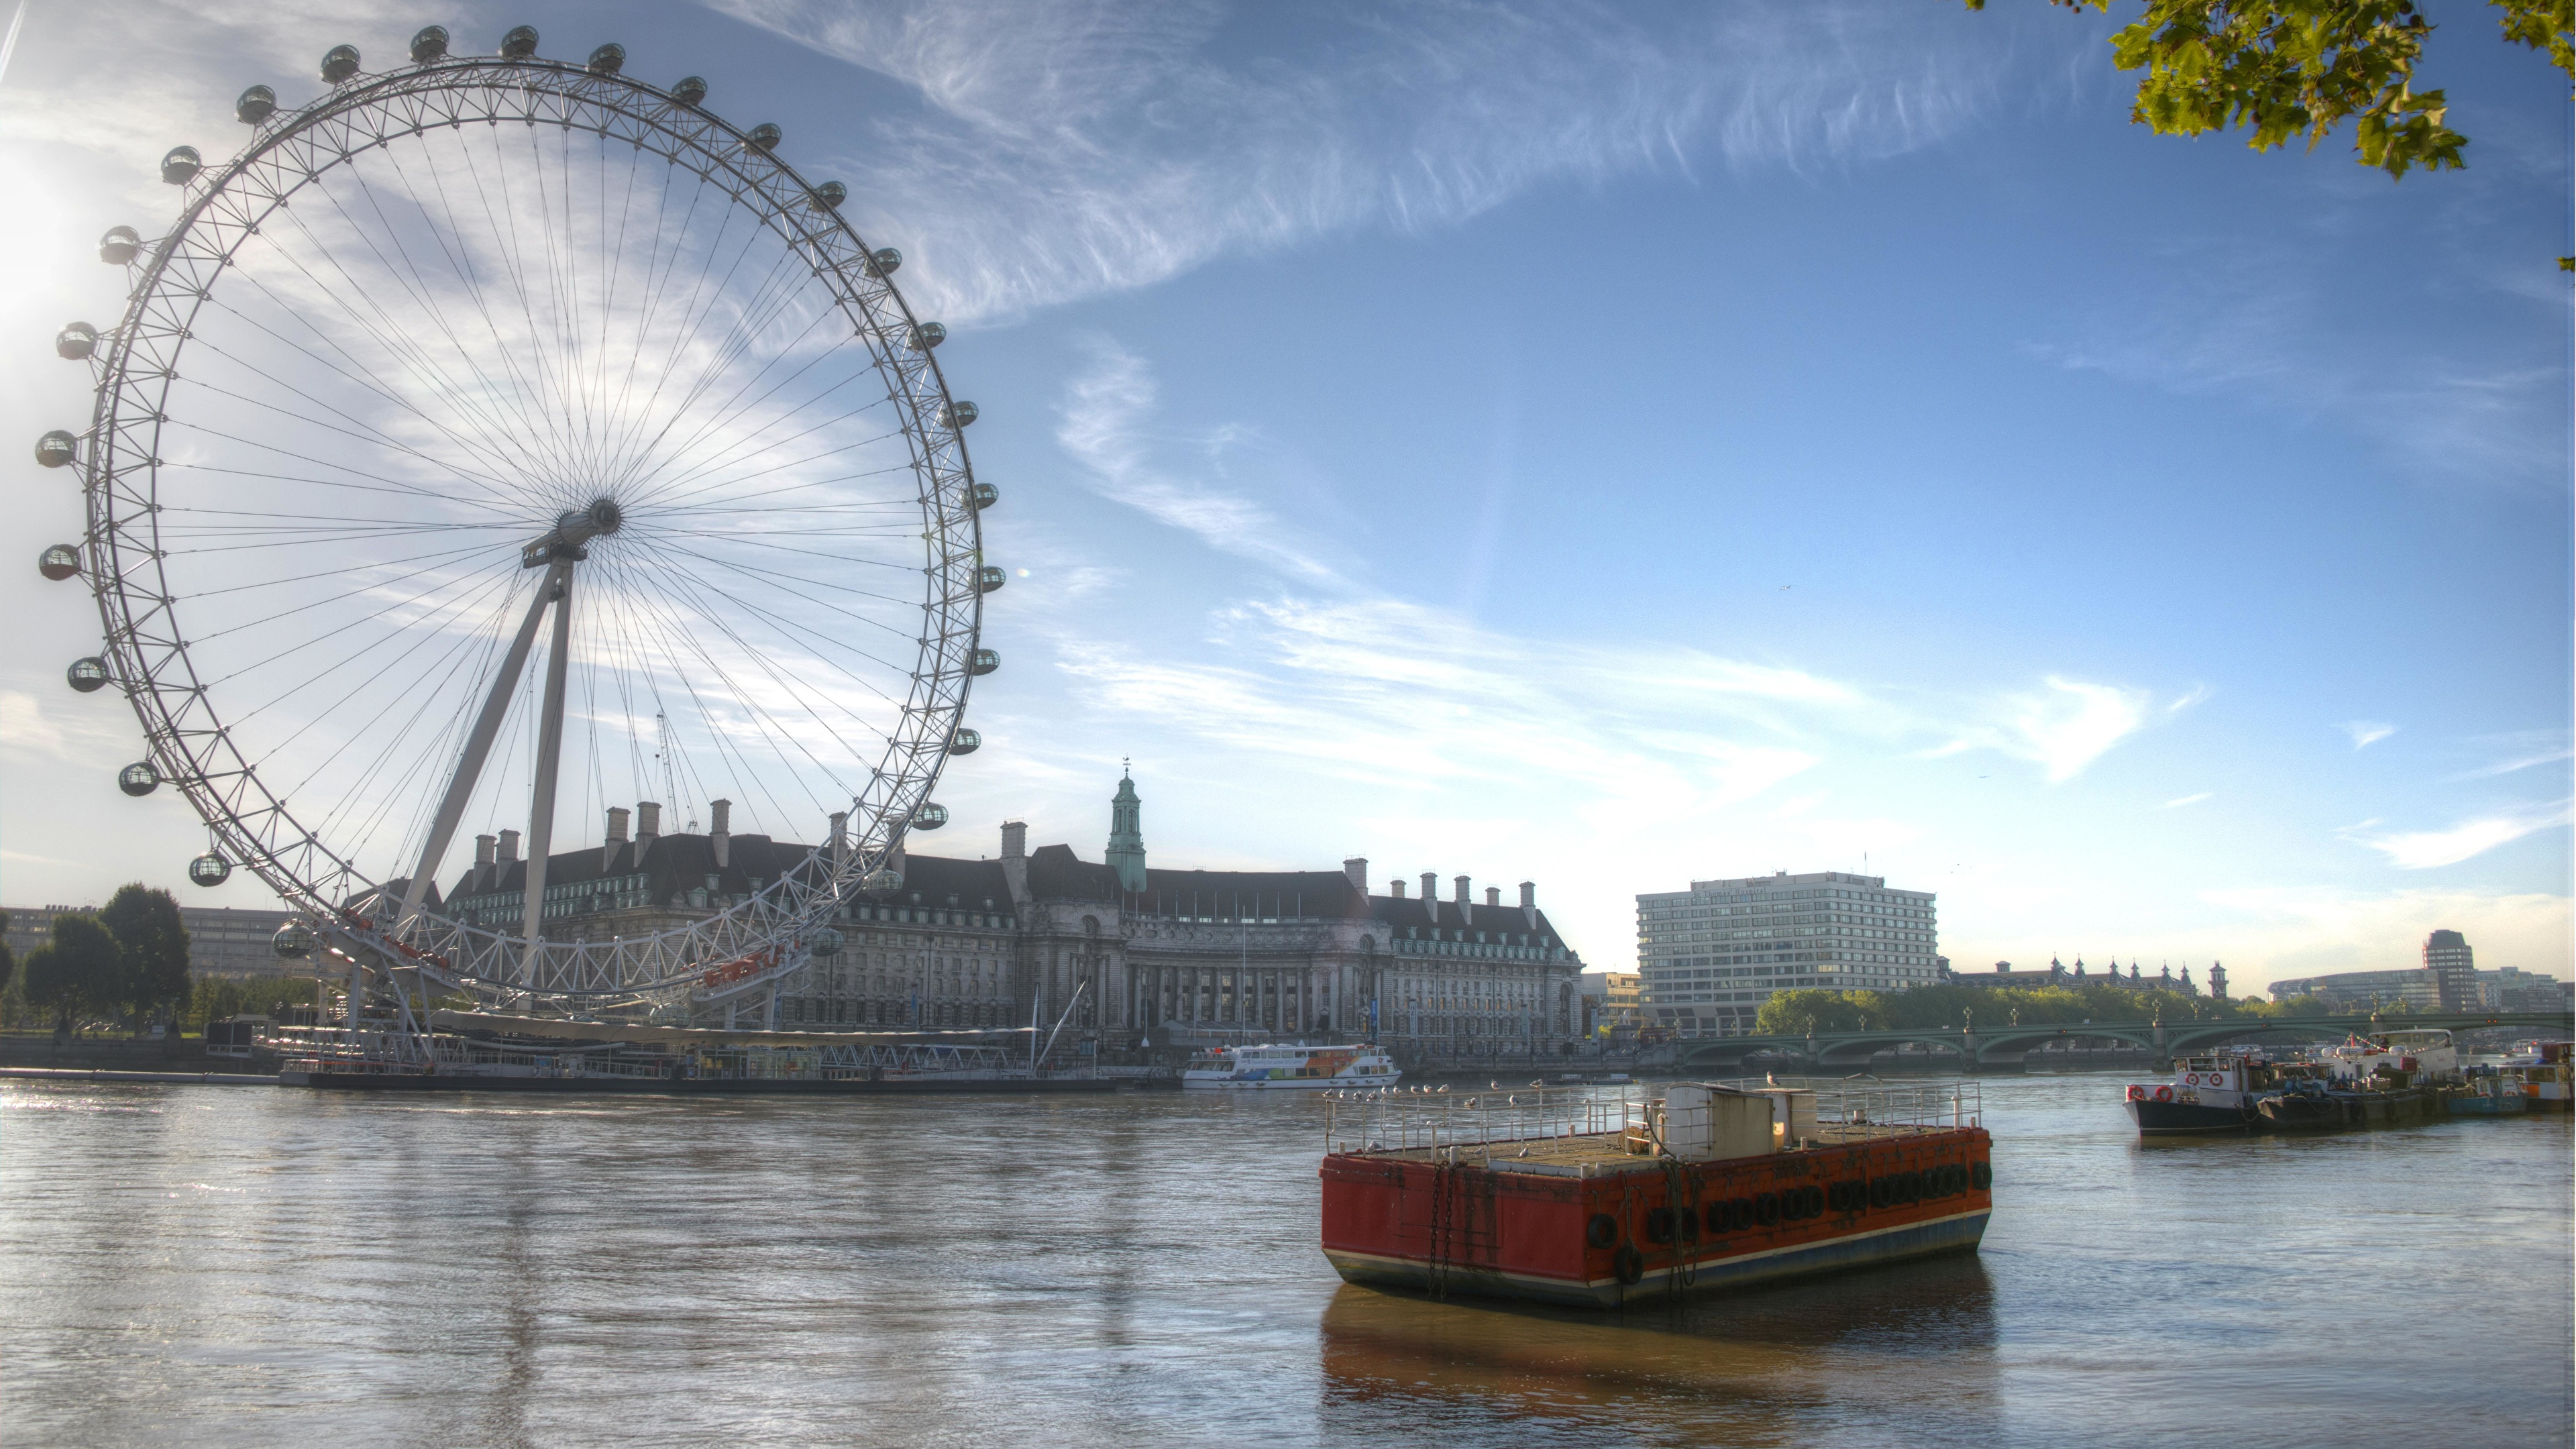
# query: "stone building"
{"points": [[1121, 951]]}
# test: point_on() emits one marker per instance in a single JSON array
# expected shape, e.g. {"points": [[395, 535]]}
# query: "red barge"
{"points": [[1577, 1198]]}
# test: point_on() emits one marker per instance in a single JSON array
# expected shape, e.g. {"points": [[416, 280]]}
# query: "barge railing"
{"points": [[1400, 1118]]}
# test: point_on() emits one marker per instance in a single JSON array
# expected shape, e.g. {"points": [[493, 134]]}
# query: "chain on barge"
{"points": [[1590, 1199]]}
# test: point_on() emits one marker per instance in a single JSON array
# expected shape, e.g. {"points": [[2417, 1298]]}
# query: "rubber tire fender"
{"points": [[1981, 1177], [1659, 1225], [1766, 1208], [1601, 1231], [1628, 1264]]}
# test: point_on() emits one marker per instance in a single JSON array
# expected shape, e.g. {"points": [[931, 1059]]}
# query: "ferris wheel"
{"points": [[495, 437]]}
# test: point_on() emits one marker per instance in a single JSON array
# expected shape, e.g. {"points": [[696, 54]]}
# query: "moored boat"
{"points": [[2208, 1095], [1290, 1068], [1595, 1200], [2548, 1077]]}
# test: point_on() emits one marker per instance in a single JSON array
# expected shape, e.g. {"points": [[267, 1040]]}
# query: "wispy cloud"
{"points": [[2062, 728], [2521, 752], [1105, 425], [2366, 732], [2426, 849], [1068, 147], [2187, 800]]}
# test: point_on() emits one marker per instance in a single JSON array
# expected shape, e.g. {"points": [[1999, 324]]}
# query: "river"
{"points": [[255, 1266]]}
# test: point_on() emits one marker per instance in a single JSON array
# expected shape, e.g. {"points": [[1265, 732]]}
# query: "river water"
{"points": [[238, 1265]]}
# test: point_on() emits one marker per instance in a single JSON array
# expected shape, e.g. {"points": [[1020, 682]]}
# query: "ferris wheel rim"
{"points": [[188, 742]]}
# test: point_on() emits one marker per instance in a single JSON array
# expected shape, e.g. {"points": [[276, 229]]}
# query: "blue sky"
{"points": [[1609, 446]]}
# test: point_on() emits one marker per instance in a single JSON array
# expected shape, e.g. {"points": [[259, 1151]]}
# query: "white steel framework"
{"points": [[472, 446]]}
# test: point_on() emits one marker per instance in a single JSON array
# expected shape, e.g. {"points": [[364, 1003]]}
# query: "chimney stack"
{"points": [[1529, 902], [1357, 869], [482, 877], [720, 835], [1396, 886], [1494, 897], [1459, 884], [1431, 886], [509, 847], [840, 839], [616, 838], [1015, 839], [648, 826]]}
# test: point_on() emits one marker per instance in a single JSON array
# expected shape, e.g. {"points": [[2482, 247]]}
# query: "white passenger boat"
{"points": [[1289, 1067]]}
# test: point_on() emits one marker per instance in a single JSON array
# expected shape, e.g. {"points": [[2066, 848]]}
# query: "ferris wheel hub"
{"points": [[574, 528]]}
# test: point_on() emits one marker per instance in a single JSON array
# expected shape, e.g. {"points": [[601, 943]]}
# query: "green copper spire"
{"points": [[1126, 854]]}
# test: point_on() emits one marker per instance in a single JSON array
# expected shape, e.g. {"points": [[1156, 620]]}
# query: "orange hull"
{"points": [[1620, 1229]]}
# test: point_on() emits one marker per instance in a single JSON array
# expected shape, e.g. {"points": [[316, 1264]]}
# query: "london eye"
{"points": [[494, 438]]}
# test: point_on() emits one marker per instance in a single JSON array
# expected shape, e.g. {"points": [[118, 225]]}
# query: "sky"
{"points": [[1603, 446]]}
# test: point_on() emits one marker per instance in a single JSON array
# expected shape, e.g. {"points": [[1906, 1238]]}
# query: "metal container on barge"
{"points": [[1598, 1200]]}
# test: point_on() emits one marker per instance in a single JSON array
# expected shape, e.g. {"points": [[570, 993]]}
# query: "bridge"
{"points": [[1983, 1045]]}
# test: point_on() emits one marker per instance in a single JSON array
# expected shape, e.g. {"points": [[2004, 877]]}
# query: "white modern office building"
{"points": [[1711, 955]]}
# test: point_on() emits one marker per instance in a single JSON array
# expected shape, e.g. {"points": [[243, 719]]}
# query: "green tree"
{"points": [[1797, 1013], [2288, 68], [76, 974], [153, 945], [8, 958]]}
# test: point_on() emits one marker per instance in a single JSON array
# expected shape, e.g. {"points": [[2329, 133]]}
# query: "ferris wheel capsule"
{"points": [[609, 59], [255, 105], [983, 496], [881, 881], [928, 335], [339, 63], [138, 779], [690, 90], [119, 245], [519, 43], [983, 661], [293, 941], [76, 341], [57, 448], [429, 43], [829, 196], [210, 869], [883, 261], [958, 415], [965, 742], [764, 137], [58, 562], [180, 165], [824, 943], [87, 675], [930, 816], [989, 578]]}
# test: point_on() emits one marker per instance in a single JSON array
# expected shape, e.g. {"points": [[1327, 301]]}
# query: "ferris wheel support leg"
{"points": [[541, 811], [478, 745]]}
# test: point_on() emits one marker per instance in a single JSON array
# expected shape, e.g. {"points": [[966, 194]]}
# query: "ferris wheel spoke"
{"points": [[363, 651], [460, 261], [720, 737], [361, 434], [417, 286], [758, 659], [786, 626], [362, 377], [685, 484], [692, 317], [727, 413], [386, 331], [284, 580]]}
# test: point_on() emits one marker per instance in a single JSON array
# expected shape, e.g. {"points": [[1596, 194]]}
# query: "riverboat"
{"points": [[2208, 1095], [1598, 1200], [2548, 1078], [1289, 1068]]}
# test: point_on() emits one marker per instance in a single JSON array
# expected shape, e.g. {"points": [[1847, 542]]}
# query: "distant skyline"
{"points": [[1604, 446]]}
